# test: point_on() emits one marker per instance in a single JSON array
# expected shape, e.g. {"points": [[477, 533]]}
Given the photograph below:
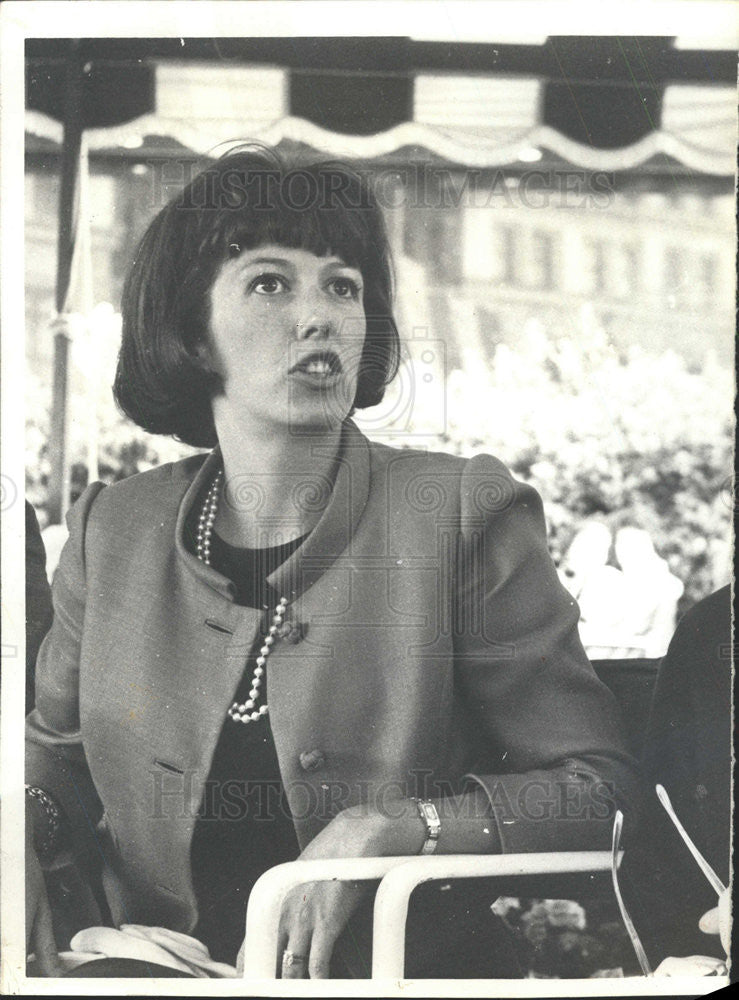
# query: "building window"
{"points": [[623, 271], [707, 276], [541, 259], [673, 271], [508, 243], [595, 262]]}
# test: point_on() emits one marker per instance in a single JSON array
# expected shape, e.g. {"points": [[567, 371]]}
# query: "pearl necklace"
{"points": [[247, 711]]}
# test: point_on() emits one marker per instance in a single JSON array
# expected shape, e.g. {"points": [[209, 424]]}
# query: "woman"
{"points": [[271, 651]]}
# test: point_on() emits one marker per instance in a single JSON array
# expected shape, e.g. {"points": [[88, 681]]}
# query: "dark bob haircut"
{"points": [[248, 198]]}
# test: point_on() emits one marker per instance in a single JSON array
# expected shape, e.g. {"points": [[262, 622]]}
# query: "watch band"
{"points": [[427, 812]]}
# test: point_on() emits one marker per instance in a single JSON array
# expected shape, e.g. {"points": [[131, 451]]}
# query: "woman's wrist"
{"points": [[466, 826], [395, 828]]}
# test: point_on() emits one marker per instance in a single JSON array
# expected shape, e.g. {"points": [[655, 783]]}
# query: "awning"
{"points": [[708, 150], [474, 120]]}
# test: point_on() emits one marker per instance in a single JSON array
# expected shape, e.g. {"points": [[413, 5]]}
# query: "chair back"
{"points": [[632, 683]]}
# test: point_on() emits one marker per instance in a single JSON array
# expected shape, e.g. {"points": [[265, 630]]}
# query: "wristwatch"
{"points": [[427, 812]]}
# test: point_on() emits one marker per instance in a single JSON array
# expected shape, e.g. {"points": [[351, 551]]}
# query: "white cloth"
{"points": [[157, 945]]}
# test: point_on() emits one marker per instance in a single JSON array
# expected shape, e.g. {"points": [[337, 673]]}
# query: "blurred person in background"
{"points": [[651, 592], [626, 611], [232, 679], [599, 590]]}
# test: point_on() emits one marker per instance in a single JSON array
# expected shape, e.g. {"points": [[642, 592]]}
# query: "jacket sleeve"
{"points": [[555, 766], [55, 756]]}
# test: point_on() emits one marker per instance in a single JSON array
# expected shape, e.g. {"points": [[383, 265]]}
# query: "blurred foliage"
{"points": [[630, 438], [122, 448]]}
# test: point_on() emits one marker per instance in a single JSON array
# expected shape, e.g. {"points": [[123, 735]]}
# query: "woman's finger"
{"points": [[295, 963], [282, 938], [321, 948], [44, 945], [294, 957]]}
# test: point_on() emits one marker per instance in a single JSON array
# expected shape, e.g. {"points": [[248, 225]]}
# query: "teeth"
{"points": [[318, 368]]}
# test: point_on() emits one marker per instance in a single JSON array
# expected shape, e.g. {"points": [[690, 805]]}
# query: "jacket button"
{"points": [[310, 760], [291, 632]]}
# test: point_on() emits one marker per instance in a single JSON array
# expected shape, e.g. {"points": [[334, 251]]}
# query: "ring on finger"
{"points": [[290, 959]]}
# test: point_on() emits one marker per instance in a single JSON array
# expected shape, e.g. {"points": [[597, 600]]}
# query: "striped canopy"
{"points": [[596, 104]]}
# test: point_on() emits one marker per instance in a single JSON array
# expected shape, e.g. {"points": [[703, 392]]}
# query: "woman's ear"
{"points": [[204, 356]]}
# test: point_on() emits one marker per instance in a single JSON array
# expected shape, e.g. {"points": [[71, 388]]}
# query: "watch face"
{"points": [[427, 812]]}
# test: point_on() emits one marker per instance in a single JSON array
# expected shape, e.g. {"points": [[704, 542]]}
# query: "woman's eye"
{"points": [[345, 288], [268, 284]]}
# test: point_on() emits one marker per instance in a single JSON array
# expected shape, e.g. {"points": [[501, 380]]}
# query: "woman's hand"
{"points": [[315, 914], [39, 928]]}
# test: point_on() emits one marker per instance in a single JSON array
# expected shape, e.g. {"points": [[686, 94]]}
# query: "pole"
{"points": [[83, 265], [59, 480]]}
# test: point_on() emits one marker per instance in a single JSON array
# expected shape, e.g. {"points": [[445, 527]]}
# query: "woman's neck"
{"points": [[276, 486]]}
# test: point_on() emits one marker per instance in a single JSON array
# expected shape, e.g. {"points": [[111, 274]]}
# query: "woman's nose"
{"points": [[314, 316], [315, 325]]}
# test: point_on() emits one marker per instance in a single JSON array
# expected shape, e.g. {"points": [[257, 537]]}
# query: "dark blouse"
{"points": [[244, 826]]}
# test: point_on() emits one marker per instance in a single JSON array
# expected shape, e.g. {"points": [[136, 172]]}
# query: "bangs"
{"points": [[324, 209], [342, 234]]}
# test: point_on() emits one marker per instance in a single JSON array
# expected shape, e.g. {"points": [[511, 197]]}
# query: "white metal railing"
{"points": [[399, 877]]}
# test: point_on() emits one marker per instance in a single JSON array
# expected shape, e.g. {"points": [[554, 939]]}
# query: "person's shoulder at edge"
{"points": [[701, 642], [711, 613]]}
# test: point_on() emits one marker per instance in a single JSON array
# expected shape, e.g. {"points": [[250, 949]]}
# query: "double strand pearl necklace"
{"points": [[247, 711]]}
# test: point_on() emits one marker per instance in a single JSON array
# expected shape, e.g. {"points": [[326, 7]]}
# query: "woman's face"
{"points": [[286, 335]]}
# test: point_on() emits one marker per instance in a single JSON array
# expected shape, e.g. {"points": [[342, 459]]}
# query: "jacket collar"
{"points": [[197, 486], [334, 530], [330, 537]]}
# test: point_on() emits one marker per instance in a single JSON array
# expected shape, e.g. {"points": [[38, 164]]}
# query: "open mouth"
{"points": [[321, 364]]}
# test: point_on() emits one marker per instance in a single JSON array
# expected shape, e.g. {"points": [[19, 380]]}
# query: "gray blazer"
{"points": [[436, 647]]}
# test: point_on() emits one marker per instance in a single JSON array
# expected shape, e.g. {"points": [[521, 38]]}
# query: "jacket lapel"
{"points": [[334, 531]]}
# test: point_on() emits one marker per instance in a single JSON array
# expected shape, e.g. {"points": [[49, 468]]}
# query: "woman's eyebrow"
{"points": [[338, 262], [272, 261]]}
